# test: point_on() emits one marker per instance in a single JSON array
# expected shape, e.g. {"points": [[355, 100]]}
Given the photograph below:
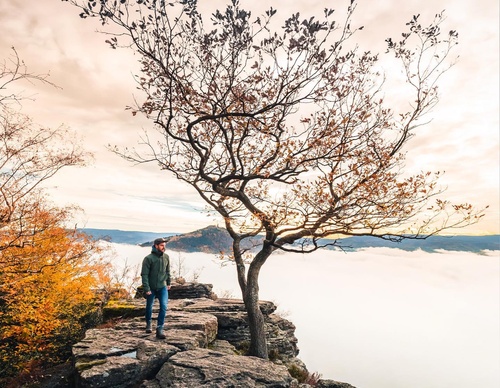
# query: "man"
{"points": [[156, 283]]}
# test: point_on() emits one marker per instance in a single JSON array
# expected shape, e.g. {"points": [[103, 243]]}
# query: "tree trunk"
{"points": [[258, 344]]}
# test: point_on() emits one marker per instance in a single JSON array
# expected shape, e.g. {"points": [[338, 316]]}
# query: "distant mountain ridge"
{"points": [[213, 239], [431, 244], [123, 236]]}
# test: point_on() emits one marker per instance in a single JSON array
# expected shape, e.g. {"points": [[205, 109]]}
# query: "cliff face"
{"points": [[205, 340]]}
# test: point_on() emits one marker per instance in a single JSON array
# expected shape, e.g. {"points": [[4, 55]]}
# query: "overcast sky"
{"points": [[96, 85]]}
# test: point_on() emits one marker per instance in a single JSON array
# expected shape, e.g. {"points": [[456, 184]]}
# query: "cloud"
{"points": [[97, 84]]}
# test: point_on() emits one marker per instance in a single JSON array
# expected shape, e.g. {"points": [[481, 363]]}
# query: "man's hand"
{"points": [[168, 287]]}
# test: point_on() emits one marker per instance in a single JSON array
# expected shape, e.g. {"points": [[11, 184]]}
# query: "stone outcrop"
{"points": [[208, 368], [206, 340], [185, 291]]}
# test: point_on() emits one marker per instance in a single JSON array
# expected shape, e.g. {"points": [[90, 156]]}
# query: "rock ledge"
{"points": [[205, 342]]}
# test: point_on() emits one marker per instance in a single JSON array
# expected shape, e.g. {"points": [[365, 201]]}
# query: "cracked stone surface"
{"points": [[207, 368], [204, 339]]}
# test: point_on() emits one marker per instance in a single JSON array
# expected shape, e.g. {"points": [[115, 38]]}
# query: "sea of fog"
{"points": [[378, 317]]}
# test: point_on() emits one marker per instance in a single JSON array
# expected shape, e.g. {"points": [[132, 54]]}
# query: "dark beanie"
{"points": [[159, 241]]}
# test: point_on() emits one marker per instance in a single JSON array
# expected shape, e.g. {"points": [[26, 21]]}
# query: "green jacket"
{"points": [[155, 271]]}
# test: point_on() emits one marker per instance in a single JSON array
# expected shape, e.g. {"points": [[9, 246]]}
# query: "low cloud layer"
{"points": [[378, 317]]}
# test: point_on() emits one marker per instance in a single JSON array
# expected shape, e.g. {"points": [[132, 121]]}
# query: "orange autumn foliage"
{"points": [[47, 293]]}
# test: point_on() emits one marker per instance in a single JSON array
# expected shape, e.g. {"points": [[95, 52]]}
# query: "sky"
{"points": [[96, 84]]}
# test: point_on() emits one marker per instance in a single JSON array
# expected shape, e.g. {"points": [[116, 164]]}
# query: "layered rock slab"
{"points": [[125, 355], [207, 368]]}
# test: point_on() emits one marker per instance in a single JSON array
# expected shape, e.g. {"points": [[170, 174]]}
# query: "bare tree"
{"points": [[284, 132], [29, 155], [12, 70]]}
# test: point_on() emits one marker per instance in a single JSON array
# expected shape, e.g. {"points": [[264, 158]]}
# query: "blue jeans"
{"points": [[162, 295]]}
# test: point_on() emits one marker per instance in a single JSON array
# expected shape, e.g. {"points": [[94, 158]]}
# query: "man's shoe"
{"points": [[160, 334], [149, 328]]}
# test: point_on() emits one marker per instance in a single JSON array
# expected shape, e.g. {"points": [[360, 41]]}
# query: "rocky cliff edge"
{"points": [[206, 337]]}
